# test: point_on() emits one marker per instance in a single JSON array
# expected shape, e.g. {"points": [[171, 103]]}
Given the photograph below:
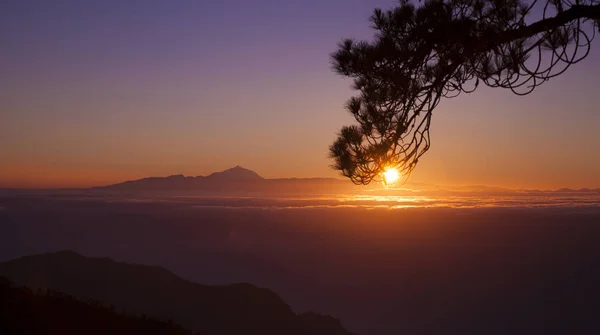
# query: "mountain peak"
{"points": [[236, 173], [237, 168]]}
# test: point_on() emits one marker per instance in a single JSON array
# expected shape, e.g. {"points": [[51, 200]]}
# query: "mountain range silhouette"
{"points": [[236, 179], [242, 181], [156, 292]]}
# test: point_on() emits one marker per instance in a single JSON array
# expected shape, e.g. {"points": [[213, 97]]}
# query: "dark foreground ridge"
{"points": [[24, 311], [156, 292]]}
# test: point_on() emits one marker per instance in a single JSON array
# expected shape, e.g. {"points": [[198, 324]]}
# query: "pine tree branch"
{"points": [[562, 18]]}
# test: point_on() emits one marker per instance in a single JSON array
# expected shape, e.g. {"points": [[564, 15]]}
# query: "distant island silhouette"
{"points": [[241, 181], [236, 179]]}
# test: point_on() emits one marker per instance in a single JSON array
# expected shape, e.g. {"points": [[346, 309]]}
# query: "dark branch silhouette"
{"points": [[440, 49]]}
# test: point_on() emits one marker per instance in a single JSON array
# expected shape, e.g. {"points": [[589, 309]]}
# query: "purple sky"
{"points": [[101, 91]]}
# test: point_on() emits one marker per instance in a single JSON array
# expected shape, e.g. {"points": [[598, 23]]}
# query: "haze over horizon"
{"points": [[238, 173], [99, 93]]}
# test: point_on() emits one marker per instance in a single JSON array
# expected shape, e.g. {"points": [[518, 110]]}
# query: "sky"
{"points": [[98, 92]]}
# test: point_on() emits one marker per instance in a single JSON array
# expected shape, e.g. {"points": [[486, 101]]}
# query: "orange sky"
{"points": [[81, 107], [489, 137]]}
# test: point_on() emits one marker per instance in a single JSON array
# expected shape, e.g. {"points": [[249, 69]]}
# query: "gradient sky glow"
{"points": [[97, 92]]}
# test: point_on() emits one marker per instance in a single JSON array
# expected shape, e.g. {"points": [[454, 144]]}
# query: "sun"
{"points": [[390, 176]]}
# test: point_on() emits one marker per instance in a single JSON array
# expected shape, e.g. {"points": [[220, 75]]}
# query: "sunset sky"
{"points": [[97, 92]]}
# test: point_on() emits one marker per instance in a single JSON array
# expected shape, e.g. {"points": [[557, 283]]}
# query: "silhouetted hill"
{"points": [[239, 181], [234, 180], [23, 311], [151, 290], [237, 173]]}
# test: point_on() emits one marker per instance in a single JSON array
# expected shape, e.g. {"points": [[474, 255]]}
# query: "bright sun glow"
{"points": [[390, 176]]}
